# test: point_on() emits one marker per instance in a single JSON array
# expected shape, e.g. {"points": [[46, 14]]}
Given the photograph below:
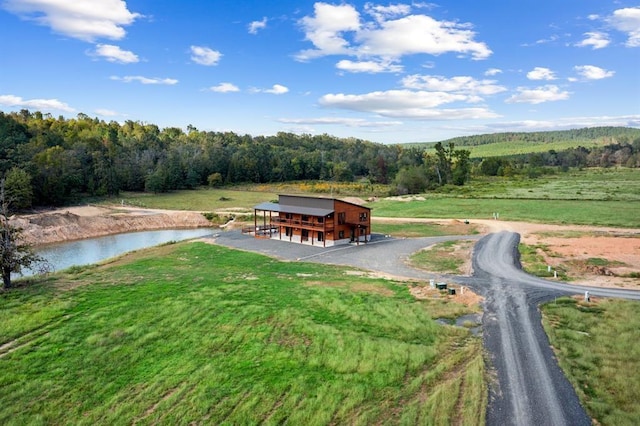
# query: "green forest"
{"points": [[47, 161]]}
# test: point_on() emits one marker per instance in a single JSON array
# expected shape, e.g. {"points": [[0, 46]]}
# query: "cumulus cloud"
{"points": [[84, 20], [205, 56], [590, 72], [492, 71], [627, 20], [538, 95], [277, 89], [257, 25], [596, 40], [13, 101], [540, 73], [368, 66], [114, 54], [225, 88], [145, 80], [393, 33], [406, 104], [459, 84]]}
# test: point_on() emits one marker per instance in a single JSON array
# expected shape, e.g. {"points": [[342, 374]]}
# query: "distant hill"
{"points": [[513, 143]]}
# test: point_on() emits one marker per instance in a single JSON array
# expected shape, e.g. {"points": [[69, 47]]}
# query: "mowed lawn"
{"points": [[197, 333]]}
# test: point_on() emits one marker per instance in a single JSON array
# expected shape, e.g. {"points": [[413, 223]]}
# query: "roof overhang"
{"points": [[284, 208]]}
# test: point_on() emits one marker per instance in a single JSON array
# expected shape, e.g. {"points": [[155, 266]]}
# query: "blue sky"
{"points": [[385, 72]]}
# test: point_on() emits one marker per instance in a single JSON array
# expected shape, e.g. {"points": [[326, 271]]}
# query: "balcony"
{"points": [[304, 224]]}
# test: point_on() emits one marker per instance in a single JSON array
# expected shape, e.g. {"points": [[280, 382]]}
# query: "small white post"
{"points": [[586, 297], [432, 283], [461, 290], [555, 274], [548, 268]]}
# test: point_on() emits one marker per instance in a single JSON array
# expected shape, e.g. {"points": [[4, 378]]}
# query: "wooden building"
{"points": [[312, 220]]}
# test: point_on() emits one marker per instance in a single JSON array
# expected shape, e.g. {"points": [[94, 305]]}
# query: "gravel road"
{"points": [[529, 386]]}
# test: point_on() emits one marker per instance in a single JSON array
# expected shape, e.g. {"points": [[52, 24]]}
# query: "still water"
{"points": [[84, 252]]}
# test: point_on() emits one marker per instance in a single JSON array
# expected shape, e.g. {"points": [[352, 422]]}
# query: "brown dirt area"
{"points": [[76, 223]]}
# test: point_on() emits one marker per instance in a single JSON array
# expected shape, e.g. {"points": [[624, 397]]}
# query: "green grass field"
{"points": [[603, 197], [597, 347], [196, 333]]}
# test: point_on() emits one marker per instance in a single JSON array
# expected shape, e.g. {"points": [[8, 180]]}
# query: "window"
{"points": [[288, 231], [342, 218], [363, 217], [288, 215], [341, 234], [305, 235], [305, 218], [320, 219], [320, 236]]}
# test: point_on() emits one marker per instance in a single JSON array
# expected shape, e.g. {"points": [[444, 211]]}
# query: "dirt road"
{"points": [[530, 388]]}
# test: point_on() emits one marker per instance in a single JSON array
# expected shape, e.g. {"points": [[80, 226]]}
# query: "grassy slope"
{"points": [[198, 333], [597, 346]]}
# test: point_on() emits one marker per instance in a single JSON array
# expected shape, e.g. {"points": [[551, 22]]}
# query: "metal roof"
{"points": [[284, 208]]}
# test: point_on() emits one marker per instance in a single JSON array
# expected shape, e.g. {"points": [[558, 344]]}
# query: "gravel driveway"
{"points": [[530, 388]]}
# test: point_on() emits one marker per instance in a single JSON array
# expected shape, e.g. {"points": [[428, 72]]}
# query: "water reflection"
{"points": [[84, 252]]}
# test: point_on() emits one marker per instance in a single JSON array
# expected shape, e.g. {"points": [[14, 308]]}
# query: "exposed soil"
{"points": [[76, 223]]}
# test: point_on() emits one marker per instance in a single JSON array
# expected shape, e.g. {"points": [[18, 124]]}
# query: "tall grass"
{"points": [[196, 333], [597, 347]]}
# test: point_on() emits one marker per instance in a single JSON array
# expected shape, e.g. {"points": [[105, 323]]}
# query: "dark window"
{"points": [[288, 231], [288, 215], [342, 218], [305, 235], [363, 217], [305, 218], [320, 236], [321, 219], [341, 234]]}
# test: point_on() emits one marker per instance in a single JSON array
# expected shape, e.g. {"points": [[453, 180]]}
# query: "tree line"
{"points": [[49, 161]]}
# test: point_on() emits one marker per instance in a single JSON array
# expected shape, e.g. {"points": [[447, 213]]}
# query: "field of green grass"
{"points": [[197, 333], [602, 197], [597, 347]]}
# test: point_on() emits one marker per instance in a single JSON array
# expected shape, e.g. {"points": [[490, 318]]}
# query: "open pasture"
{"points": [[196, 333]]}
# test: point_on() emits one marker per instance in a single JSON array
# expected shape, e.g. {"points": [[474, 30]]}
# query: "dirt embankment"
{"points": [[77, 223]]}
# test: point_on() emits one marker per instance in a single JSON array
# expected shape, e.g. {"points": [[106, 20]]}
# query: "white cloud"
{"points": [[540, 73], [107, 113], [417, 34], [325, 29], [257, 25], [406, 104], [225, 88], [145, 80], [596, 40], [382, 13], [349, 122], [277, 89], [459, 84], [114, 54], [38, 104], [205, 56], [393, 33], [538, 95], [368, 66], [492, 71], [84, 20], [627, 20], [591, 72]]}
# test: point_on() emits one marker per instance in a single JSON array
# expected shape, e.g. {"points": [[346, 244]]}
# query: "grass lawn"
{"points": [[197, 333], [597, 347]]}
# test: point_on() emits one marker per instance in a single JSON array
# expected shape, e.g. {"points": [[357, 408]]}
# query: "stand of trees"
{"points": [[50, 161]]}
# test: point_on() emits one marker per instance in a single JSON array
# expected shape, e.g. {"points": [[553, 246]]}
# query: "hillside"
{"points": [[515, 143]]}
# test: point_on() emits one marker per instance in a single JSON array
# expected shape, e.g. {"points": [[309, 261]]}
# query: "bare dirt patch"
{"points": [[77, 223]]}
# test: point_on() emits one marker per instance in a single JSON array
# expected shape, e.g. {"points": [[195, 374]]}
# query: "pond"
{"points": [[93, 250]]}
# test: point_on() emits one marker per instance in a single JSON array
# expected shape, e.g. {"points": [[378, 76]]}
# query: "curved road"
{"points": [[529, 386]]}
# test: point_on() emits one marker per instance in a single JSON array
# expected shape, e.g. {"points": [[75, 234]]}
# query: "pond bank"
{"points": [[77, 223]]}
